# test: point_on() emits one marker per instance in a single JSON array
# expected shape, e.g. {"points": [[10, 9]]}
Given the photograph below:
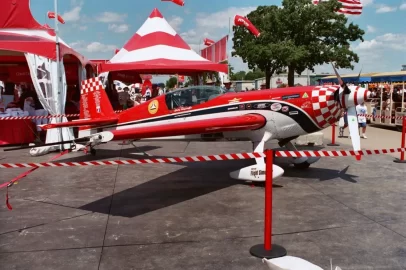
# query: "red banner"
{"points": [[217, 52]]}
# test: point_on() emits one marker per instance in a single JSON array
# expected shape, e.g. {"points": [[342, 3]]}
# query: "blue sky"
{"points": [[96, 27]]}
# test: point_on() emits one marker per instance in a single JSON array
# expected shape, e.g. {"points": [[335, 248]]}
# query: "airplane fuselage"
{"points": [[288, 112]]}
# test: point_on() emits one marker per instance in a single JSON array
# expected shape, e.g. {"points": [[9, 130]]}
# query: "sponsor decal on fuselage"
{"points": [[153, 107], [262, 105], [293, 113], [285, 109], [181, 109], [306, 105], [248, 106], [291, 96], [234, 100], [233, 108], [276, 107]]}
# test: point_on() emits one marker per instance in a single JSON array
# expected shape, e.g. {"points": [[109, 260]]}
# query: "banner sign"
{"points": [[217, 52]]}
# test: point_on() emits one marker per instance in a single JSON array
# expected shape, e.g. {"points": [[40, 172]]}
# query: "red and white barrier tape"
{"points": [[382, 116], [43, 116], [340, 153]]}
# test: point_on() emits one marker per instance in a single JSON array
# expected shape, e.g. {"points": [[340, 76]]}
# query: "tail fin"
{"points": [[94, 102]]}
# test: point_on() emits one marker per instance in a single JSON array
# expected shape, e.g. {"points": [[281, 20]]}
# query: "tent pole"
{"points": [[58, 68]]}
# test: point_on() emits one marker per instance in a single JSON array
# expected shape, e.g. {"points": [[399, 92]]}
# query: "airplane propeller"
{"points": [[348, 99]]}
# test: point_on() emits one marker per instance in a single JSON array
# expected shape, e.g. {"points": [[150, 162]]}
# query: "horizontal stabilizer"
{"points": [[79, 123]]}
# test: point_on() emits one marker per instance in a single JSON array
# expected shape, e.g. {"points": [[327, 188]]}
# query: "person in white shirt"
{"points": [[148, 94], [160, 91], [362, 120]]}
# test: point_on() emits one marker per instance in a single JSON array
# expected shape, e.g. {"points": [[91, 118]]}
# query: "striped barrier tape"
{"points": [[237, 156], [44, 116], [382, 116]]}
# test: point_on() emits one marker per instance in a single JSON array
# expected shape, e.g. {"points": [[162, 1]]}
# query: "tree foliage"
{"points": [[263, 52], [299, 36], [248, 76], [171, 83], [317, 34]]}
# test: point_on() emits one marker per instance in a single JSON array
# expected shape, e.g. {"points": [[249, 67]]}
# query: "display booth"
{"points": [[28, 54]]}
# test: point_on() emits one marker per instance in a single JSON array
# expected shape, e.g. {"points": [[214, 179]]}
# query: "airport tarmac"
{"points": [[193, 216]]}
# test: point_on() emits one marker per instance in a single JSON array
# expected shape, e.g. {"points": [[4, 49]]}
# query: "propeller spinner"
{"points": [[349, 97]]}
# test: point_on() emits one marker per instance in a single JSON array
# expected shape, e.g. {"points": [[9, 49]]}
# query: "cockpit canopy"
{"points": [[191, 96]]}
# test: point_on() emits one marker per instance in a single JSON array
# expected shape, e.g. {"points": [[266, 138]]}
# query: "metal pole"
{"points": [[229, 25], [58, 73], [268, 200], [403, 98]]}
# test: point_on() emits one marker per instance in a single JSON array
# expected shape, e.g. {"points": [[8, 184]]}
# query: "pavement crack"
{"points": [[110, 207], [42, 224], [359, 213]]}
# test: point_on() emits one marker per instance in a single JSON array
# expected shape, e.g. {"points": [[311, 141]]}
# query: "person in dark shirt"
{"points": [[26, 92]]}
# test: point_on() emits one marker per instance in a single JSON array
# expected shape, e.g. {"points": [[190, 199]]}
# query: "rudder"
{"points": [[94, 102]]}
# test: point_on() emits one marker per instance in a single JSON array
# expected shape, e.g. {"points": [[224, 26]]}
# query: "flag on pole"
{"points": [[350, 7]]}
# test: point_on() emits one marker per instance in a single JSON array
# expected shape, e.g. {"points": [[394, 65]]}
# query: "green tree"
{"points": [[253, 75], [239, 76], [230, 71], [171, 83], [267, 52], [316, 34]]}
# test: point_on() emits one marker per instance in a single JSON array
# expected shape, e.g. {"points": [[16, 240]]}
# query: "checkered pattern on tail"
{"points": [[91, 85], [326, 110]]}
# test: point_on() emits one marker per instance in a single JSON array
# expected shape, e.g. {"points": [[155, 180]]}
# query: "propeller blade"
{"points": [[354, 130], [359, 75], [340, 81]]}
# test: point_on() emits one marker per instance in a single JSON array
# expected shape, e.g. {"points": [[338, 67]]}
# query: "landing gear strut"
{"points": [[301, 163]]}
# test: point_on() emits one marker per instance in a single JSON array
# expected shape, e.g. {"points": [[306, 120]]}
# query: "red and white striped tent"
{"points": [[156, 48], [20, 32], [350, 7]]}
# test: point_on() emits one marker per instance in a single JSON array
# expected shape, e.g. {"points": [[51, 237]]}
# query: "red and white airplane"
{"points": [[187, 113]]}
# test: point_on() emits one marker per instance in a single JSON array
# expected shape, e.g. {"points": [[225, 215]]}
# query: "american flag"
{"points": [[352, 7]]}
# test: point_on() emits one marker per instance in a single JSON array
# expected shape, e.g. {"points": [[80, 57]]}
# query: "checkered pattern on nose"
{"points": [[326, 110]]}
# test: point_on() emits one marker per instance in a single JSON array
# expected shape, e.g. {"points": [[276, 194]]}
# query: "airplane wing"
{"points": [[223, 124], [82, 122]]}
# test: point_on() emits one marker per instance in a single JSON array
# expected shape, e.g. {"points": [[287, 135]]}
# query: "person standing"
{"points": [[362, 120], [148, 94]]}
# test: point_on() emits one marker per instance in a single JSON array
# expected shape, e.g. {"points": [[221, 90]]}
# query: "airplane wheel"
{"points": [[302, 166], [93, 151]]}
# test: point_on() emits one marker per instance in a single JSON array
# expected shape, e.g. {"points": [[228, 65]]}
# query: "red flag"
{"points": [[178, 2], [208, 42], [51, 15], [243, 21]]}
